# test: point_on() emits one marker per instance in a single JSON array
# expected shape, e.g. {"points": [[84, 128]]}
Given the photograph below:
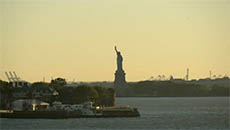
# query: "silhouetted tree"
{"points": [[58, 83]]}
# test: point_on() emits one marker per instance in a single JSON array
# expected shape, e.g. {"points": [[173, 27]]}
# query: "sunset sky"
{"points": [[75, 39]]}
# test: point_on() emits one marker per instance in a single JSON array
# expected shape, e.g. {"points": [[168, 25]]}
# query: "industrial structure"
{"points": [[187, 75], [15, 80]]}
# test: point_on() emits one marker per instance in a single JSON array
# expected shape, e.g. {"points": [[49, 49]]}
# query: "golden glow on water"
{"points": [[75, 39]]}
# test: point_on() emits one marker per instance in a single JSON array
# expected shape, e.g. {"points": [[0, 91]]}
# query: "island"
{"points": [[58, 100]]}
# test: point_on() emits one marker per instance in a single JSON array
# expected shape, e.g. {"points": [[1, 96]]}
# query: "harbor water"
{"points": [[158, 113]]}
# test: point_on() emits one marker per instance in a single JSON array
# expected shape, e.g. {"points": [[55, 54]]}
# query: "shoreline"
{"points": [[167, 96]]}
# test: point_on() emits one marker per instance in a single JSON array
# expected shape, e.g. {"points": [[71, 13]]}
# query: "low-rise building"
{"points": [[42, 93]]}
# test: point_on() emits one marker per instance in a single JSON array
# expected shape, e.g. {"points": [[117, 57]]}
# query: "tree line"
{"points": [[172, 89], [67, 95]]}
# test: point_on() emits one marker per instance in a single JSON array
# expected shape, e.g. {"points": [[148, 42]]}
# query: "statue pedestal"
{"points": [[119, 81]]}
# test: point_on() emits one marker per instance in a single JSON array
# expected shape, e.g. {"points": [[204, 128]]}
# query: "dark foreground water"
{"points": [[184, 113]]}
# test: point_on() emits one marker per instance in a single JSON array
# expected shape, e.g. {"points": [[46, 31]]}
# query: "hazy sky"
{"points": [[75, 39]]}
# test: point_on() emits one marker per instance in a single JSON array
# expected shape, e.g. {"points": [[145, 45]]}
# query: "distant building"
{"points": [[179, 80], [171, 78], [43, 93], [28, 104]]}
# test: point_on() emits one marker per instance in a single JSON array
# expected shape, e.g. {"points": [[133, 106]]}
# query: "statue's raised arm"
{"points": [[116, 49]]}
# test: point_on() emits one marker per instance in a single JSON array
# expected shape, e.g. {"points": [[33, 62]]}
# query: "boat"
{"points": [[60, 111]]}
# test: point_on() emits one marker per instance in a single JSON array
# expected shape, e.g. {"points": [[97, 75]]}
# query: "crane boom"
{"points": [[8, 77], [16, 77], [12, 77]]}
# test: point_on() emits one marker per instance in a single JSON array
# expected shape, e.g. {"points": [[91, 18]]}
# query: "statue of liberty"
{"points": [[119, 81], [119, 60]]}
